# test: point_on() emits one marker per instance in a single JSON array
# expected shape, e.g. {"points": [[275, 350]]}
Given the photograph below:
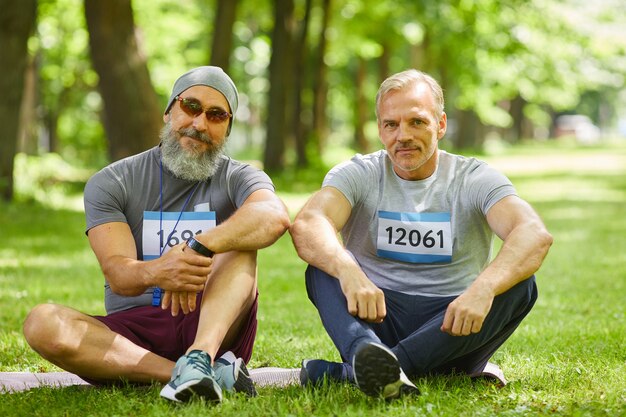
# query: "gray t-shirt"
{"points": [[428, 237], [124, 190]]}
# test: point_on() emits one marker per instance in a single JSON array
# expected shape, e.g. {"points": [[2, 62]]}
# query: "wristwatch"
{"points": [[199, 247]]}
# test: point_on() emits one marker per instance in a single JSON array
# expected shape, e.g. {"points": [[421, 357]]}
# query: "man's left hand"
{"points": [[466, 314], [185, 301]]}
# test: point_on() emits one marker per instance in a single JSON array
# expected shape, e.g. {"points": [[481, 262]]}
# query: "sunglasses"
{"points": [[193, 108]]}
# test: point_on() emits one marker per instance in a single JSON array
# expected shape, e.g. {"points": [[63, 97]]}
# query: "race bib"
{"points": [[190, 224], [420, 238]]}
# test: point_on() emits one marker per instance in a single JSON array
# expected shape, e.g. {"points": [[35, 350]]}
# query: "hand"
{"points": [[179, 300], [182, 270], [365, 300], [466, 314]]}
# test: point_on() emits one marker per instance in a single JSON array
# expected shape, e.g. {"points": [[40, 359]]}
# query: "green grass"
{"points": [[568, 358]]}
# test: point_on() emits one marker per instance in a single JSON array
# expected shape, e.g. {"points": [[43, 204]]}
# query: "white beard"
{"points": [[190, 165]]}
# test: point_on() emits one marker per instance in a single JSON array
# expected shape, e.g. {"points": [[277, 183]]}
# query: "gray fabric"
{"points": [[464, 187], [23, 381], [122, 191]]}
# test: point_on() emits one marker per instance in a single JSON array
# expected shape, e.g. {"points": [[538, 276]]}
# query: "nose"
{"points": [[200, 122], [403, 133]]}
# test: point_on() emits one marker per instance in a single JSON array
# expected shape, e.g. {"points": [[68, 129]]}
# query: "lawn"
{"points": [[568, 358]]}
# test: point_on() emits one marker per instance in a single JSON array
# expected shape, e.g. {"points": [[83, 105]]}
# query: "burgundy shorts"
{"points": [[157, 331]]}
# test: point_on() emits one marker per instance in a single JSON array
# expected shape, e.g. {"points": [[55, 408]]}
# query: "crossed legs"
{"points": [[83, 345], [412, 326]]}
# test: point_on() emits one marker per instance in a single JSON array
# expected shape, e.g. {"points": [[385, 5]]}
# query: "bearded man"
{"points": [[176, 230]]}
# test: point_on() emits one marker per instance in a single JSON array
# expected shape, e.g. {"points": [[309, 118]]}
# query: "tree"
{"points": [[132, 115], [281, 79], [320, 81], [17, 21], [222, 42], [300, 126]]}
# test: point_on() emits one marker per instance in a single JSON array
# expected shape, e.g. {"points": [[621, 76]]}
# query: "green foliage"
{"points": [[553, 54], [566, 359], [49, 180], [70, 104]]}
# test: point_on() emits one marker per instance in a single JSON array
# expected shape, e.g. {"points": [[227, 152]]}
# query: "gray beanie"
{"points": [[213, 77]]}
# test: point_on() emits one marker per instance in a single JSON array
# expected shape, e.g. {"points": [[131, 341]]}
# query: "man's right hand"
{"points": [[181, 269], [182, 273], [365, 300]]}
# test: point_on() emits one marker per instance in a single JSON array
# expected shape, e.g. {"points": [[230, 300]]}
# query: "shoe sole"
{"points": [[243, 382], [378, 373], [205, 388], [304, 375], [374, 369]]}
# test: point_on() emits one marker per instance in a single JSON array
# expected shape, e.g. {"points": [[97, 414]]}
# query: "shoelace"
{"points": [[198, 362]]}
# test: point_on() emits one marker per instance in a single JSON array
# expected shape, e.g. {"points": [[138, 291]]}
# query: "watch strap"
{"points": [[199, 247]]}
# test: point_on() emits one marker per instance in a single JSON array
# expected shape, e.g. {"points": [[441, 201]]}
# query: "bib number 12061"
{"points": [[402, 237]]}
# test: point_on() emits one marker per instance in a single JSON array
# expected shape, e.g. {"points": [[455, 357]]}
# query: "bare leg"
{"points": [[227, 300], [83, 345]]}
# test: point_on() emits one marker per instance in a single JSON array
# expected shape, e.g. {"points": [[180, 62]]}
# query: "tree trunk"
{"points": [[222, 42], [361, 108], [300, 126], [383, 63], [320, 84], [280, 77], [17, 21], [469, 133], [28, 128], [517, 114], [132, 115]]}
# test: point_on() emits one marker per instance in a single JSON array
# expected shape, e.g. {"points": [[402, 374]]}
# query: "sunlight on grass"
{"points": [[573, 188]]}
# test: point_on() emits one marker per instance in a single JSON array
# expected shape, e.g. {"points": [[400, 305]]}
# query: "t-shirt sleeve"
{"points": [[244, 180], [488, 186], [104, 199], [352, 178]]}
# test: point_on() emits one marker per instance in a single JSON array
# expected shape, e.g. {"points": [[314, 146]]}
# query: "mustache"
{"points": [[194, 134], [406, 146]]}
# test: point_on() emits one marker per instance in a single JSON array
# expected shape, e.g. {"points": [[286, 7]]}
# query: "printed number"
{"points": [[414, 237], [174, 239]]}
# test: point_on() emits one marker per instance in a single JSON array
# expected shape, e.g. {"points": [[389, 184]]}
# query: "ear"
{"points": [[443, 126], [166, 117]]}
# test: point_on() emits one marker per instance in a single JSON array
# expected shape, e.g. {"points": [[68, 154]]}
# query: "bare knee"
{"points": [[45, 329]]}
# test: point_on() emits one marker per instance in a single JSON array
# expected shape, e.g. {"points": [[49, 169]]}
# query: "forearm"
{"points": [[177, 270], [253, 226], [520, 256], [128, 277], [317, 243]]}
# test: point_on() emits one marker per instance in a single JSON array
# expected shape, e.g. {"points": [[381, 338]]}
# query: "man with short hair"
{"points": [[175, 230], [411, 288]]}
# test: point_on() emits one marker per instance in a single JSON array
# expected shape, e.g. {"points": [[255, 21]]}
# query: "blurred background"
{"points": [[84, 83]]}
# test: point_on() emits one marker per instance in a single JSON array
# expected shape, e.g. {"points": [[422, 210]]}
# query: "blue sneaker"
{"points": [[377, 372], [193, 376], [232, 375], [315, 371]]}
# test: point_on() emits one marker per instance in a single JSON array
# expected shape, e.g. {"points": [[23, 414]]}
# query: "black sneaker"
{"points": [[315, 371], [377, 372]]}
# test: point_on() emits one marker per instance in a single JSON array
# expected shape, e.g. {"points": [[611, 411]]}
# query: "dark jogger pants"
{"points": [[412, 326]]}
